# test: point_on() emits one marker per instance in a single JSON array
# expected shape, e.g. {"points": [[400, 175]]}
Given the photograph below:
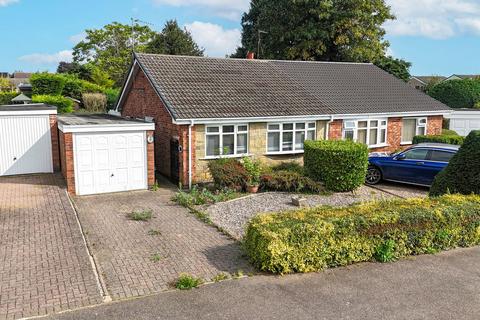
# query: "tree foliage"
{"points": [[398, 67], [457, 93], [174, 41]]}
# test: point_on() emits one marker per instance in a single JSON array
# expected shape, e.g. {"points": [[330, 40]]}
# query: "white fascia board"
{"points": [[27, 112], [393, 114], [106, 128], [124, 89], [460, 114]]}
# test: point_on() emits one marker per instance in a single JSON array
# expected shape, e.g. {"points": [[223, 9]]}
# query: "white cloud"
{"points": [[4, 3], [437, 19], [216, 40], [76, 38], [47, 58], [230, 9]]}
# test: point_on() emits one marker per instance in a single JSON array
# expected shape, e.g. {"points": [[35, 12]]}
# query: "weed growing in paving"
{"points": [[187, 282], [204, 196], [238, 274], [155, 257], [154, 232], [220, 277], [155, 187], [144, 215]]}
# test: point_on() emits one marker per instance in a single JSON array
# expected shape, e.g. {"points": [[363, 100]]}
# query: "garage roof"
{"points": [[101, 123], [27, 107]]}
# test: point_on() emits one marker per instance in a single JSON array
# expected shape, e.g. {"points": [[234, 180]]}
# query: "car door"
{"points": [[409, 166], [436, 162]]}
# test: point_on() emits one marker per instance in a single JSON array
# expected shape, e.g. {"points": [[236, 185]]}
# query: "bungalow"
{"points": [[205, 108]]}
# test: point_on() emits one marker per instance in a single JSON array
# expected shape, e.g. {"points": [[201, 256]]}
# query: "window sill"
{"points": [[231, 156], [406, 143], [378, 146], [280, 153]]}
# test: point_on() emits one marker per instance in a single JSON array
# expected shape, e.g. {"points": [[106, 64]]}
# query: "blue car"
{"points": [[416, 165]]}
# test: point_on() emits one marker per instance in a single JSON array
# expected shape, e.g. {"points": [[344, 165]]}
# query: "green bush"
{"points": [[448, 139], [289, 181], [462, 175], [7, 96], [253, 169], [291, 166], [47, 84], [340, 165], [63, 104], [447, 132], [73, 88], [457, 93], [196, 196], [228, 173], [112, 96], [310, 240]]}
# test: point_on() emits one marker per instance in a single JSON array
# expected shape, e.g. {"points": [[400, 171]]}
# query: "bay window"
{"points": [[370, 132], [289, 137], [226, 140], [412, 127]]}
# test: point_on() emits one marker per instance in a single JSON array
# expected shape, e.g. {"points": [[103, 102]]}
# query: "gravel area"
{"points": [[233, 216]]}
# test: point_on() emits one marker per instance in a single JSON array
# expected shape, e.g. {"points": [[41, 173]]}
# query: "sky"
{"points": [[439, 37]]}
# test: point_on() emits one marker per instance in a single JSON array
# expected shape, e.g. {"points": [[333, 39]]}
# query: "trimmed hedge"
{"points": [[462, 175], [47, 84], [448, 139], [340, 165], [447, 132], [7, 96], [457, 93], [63, 104], [314, 239]]}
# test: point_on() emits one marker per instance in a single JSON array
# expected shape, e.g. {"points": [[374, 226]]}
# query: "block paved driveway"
{"points": [[123, 248], [44, 264]]}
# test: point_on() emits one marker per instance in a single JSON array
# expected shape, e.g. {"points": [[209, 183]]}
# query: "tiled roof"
{"points": [[201, 88]]}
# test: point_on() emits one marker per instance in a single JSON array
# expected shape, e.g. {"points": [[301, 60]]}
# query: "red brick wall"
{"points": [[66, 157], [151, 160], [54, 137], [434, 125], [335, 130], [142, 101]]}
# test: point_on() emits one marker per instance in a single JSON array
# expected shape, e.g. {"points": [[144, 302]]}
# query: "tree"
{"points": [[328, 30], [110, 48], [398, 67], [6, 85], [175, 41], [457, 93]]}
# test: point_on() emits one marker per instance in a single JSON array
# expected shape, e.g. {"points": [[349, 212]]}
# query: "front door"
{"points": [[175, 161]]}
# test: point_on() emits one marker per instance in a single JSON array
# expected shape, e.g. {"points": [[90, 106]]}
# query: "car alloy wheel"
{"points": [[374, 176]]}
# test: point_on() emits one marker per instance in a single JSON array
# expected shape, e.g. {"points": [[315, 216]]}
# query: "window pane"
{"points": [[288, 126], [383, 136], [287, 141], [274, 141], [299, 126], [242, 143], [213, 129], [299, 140], [362, 124], [373, 136], [408, 129], [416, 154], [384, 123], [374, 123], [213, 145], [422, 121], [311, 135], [349, 135], [442, 156], [311, 125], [242, 128], [421, 131], [273, 127], [349, 124], [228, 144], [362, 136], [228, 129]]}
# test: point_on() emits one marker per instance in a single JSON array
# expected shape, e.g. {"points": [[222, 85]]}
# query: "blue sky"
{"points": [[438, 36]]}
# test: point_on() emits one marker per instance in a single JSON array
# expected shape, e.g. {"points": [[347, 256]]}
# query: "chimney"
{"points": [[250, 55]]}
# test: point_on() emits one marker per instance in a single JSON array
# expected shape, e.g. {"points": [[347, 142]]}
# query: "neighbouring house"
{"points": [[206, 108], [421, 82], [463, 77]]}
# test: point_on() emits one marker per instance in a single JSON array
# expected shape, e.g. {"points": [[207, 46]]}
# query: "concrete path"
{"points": [[444, 286], [402, 190]]}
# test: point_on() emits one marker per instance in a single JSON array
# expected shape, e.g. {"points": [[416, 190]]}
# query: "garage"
{"points": [[26, 135], [105, 154], [464, 121]]}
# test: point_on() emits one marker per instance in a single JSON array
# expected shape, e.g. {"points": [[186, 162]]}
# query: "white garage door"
{"points": [[110, 162], [463, 126], [25, 145]]}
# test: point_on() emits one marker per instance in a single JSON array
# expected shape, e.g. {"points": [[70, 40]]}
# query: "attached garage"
{"points": [[103, 153], [28, 139], [464, 121]]}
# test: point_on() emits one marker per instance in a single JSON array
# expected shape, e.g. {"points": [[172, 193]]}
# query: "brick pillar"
{"points": [[66, 156], [335, 130], [434, 125], [55, 146], [394, 133], [151, 160]]}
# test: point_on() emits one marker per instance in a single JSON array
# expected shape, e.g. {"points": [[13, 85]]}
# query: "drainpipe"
{"points": [[190, 154], [327, 133]]}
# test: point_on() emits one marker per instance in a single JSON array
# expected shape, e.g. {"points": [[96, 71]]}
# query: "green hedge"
{"points": [[314, 239], [448, 139], [47, 84], [457, 93], [7, 96], [462, 175], [340, 165], [63, 104]]}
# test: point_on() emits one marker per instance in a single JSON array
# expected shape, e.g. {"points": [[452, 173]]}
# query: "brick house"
{"points": [[204, 108]]}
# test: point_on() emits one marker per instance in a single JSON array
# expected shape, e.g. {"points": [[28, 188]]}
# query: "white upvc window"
{"points": [[289, 137], [226, 140], [372, 132], [412, 127]]}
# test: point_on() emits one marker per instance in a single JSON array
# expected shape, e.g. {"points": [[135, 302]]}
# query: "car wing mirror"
{"points": [[400, 157]]}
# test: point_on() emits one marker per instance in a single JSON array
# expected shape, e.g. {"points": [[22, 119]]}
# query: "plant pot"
{"points": [[252, 189]]}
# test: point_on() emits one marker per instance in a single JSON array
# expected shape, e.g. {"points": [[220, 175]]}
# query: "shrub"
{"points": [[7, 96], [94, 102], [187, 282], [63, 104], [289, 181], [340, 165], [47, 84], [447, 132], [228, 173], [112, 96], [457, 93], [313, 239], [448, 139], [253, 169], [291, 166], [73, 88], [197, 197], [462, 175]]}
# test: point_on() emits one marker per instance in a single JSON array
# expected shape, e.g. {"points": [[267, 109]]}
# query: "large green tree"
{"points": [[398, 67], [175, 41], [110, 48]]}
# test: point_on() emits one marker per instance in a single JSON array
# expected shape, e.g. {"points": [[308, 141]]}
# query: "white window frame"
{"points": [[352, 126], [220, 133], [418, 125], [293, 131]]}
